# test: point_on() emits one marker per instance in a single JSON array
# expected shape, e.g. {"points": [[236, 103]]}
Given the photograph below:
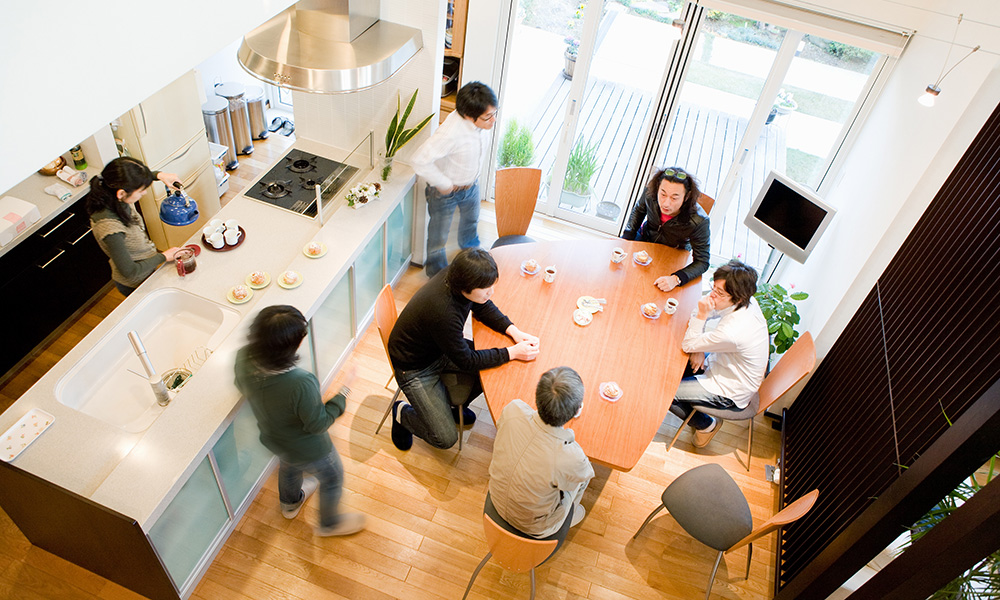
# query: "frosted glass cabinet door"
{"points": [[333, 327], [189, 525], [368, 273], [242, 459], [399, 237]]}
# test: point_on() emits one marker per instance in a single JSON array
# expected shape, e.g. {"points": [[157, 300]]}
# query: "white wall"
{"points": [[223, 67], [69, 68], [343, 120]]}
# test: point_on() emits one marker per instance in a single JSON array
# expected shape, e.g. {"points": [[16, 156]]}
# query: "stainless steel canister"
{"points": [[219, 127], [235, 94], [255, 106]]}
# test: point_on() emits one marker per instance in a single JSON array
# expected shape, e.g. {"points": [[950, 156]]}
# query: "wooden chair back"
{"points": [[706, 202], [514, 552], [793, 365], [385, 316], [793, 512], [516, 195]]}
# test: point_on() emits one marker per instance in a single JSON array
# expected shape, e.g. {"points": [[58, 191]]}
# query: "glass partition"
{"points": [[190, 523], [369, 275], [399, 237], [337, 184], [242, 459]]}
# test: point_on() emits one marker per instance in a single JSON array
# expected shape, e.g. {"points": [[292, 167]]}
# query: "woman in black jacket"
{"points": [[668, 213]]}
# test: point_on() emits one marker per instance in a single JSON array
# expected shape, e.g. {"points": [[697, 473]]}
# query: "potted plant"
{"points": [[783, 104], [572, 43], [398, 135], [572, 49], [781, 314], [517, 149], [579, 171]]}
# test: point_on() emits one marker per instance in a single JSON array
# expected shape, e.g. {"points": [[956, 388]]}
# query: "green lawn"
{"points": [[746, 86]]}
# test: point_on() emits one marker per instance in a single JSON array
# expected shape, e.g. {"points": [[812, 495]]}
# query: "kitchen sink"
{"points": [[178, 330]]}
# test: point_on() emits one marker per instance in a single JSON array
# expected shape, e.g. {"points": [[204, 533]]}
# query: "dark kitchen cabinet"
{"points": [[46, 278]]}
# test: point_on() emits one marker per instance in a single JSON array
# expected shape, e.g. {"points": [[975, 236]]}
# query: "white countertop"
{"points": [[135, 473]]}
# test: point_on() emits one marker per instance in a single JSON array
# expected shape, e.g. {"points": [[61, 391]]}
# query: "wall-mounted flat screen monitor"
{"points": [[789, 216]]}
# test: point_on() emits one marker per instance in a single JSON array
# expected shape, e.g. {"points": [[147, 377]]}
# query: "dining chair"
{"points": [[516, 195], [385, 320], [794, 364], [706, 202], [513, 549], [709, 506]]}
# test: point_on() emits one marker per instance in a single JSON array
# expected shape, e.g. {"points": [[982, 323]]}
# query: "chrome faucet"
{"points": [[155, 381]]}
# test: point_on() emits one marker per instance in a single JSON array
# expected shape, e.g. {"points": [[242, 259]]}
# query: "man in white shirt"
{"points": [[449, 161], [737, 350], [539, 473]]}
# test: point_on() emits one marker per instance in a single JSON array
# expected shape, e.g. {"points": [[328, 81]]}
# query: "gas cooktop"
{"points": [[291, 183]]}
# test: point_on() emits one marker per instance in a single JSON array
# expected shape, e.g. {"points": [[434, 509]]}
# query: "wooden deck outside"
{"points": [[702, 141]]}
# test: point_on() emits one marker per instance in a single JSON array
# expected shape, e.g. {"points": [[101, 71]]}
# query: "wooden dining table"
{"points": [[642, 355]]}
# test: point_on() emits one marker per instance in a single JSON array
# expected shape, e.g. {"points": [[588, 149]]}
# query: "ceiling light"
{"points": [[931, 93]]}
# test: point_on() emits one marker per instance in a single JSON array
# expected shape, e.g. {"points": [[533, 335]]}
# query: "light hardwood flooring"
{"points": [[424, 507]]}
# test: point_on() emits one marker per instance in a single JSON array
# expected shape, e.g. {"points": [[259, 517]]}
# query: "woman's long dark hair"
{"points": [[691, 194], [125, 173], [275, 335]]}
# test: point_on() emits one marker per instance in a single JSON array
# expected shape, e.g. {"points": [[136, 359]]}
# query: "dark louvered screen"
{"points": [[923, 346]]}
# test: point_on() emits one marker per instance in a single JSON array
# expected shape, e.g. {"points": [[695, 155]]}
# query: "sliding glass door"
{"points": [[757, 97], [581, 79]]}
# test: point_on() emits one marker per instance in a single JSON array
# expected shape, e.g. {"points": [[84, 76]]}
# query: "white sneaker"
{"points": [[349, 523], [309, 485], [579, 512]]}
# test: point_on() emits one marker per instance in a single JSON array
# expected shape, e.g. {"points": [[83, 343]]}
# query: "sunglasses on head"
{"points": [[675, 173]]}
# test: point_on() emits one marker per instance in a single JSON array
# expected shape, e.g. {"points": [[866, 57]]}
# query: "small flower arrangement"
{"points": [[785, 101], [363, 193]]}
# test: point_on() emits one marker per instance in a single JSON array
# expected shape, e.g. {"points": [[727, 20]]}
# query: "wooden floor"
{"points": [[424, 507]]}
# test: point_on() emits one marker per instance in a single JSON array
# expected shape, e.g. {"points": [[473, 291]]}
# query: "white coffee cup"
{"points": [[618, 255], [550, 274], [208, 231], [216, 240], [232, 236], [671, 306], [232, 224], [216, 224]]}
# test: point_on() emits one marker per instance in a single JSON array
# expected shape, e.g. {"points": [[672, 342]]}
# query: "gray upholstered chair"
{"points": [[794, 364], [513, 549], [708, 504]]}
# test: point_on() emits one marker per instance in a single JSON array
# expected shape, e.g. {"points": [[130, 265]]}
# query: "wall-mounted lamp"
{"points": [[931, 93]]}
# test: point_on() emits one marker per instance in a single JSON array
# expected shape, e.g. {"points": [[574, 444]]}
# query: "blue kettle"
{"points": [[178, 209]]}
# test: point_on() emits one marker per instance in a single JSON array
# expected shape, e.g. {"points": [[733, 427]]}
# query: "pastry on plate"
{"points": [[314, 249], [650, 309], [258, 278], [642, 256], [582, 317], [530, 265], [289, 277], [611, 390], [240, 292]]}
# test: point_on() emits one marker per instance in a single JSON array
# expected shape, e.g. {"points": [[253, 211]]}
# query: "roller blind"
{"points": [[882, 38]]}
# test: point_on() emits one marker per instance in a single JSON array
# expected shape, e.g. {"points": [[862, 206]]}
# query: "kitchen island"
{"points": [[184, 482]]}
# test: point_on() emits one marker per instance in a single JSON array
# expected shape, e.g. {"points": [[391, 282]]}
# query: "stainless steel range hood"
{"points": [[328, 47]]}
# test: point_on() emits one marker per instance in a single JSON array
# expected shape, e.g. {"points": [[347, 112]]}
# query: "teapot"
{"points": [[185, 259], [178, 209]]}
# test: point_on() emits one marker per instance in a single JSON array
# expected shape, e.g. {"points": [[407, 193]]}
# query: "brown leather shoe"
{"points": [[702, 437]]}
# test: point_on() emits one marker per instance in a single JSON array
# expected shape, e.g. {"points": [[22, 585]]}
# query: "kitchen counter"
{"points": [[137, 474]]}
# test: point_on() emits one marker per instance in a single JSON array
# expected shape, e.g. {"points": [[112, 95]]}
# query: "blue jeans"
{"points": [[429, 392], [691, 394], [441, 208], [330, 473]]}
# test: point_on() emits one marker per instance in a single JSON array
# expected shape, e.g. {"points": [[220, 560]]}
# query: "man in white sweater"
{"points": [[733, 355], [449, 162]]}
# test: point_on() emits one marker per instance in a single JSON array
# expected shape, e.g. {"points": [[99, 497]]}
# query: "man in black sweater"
{"points": [[434, 362]]}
